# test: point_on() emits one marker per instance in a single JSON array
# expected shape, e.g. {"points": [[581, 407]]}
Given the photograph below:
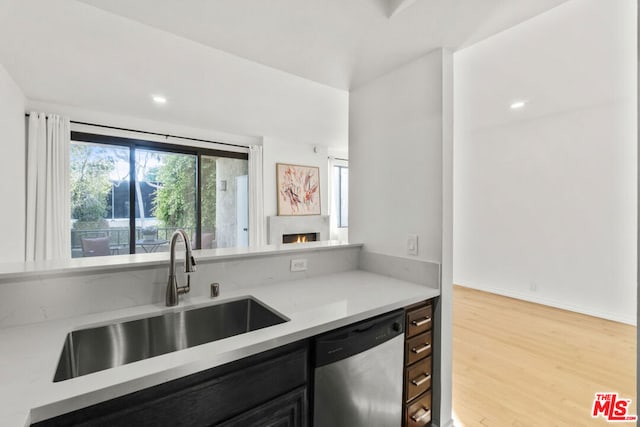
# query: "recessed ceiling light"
{"points": [[517, 105], [159, 99]]}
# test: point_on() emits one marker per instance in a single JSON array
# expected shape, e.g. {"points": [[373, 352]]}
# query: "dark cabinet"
{"points": [[268, 389], [418, 364], [289, 410]]}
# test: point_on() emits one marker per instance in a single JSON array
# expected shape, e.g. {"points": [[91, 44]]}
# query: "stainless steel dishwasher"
{"points": [[358, 374]]}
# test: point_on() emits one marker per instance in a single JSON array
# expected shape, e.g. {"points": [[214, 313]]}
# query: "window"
{"points": [[129, 196], [341, 195]]}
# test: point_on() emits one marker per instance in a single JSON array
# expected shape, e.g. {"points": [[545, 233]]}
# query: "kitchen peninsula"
{"points": [[334, 292]]}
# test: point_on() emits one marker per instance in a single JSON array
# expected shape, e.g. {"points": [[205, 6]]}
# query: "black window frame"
{"points": [[133, 144]]}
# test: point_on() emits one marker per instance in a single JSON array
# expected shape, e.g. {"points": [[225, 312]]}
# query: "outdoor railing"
{"points": [[119, 236]]}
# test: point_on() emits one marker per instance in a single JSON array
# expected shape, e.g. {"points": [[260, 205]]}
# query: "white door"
{"points": [[242, 210]]}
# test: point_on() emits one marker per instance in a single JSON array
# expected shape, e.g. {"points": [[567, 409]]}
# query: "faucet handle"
{"points": [[185, 289]]}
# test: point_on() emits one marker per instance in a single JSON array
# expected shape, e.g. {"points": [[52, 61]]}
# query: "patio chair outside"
{"points": [[95, 246]]}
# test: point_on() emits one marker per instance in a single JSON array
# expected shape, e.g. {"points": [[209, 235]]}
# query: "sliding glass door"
{"points": [[129, 196], [171, 203]]}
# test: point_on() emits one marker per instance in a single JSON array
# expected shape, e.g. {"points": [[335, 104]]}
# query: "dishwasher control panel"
{"points": [[356, 338]]}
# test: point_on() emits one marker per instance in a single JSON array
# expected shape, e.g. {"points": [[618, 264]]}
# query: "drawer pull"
{"points": [[418, 350], [418, 382], [417, 417], [424, 321]]}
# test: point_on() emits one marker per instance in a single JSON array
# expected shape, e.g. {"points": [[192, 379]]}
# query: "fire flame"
{"points": [[301, 239]]}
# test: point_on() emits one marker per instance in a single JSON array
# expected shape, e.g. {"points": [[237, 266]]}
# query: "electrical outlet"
{"points": [[412, 244], [533, 286], [299, 264]]}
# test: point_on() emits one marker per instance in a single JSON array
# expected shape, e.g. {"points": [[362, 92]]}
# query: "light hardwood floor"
{"points": [[522, 364]]}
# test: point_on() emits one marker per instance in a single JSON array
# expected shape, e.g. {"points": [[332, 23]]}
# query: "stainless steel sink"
{"points": [[95, 349]]}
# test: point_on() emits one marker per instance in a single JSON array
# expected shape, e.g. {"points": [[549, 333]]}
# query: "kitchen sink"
{"points": [[95, 349]]}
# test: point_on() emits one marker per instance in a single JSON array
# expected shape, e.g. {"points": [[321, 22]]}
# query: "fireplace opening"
{"points": [[300, 237]]}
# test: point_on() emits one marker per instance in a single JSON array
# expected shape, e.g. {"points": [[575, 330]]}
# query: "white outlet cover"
{"points": [[412, 244], [299, 264]]}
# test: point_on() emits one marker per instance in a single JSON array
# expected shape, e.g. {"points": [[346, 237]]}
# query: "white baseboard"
{"points": [[629, 320]]}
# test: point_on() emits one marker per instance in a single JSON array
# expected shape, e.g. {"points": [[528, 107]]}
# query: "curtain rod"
{"points": [[153, 133], [338, 158]]}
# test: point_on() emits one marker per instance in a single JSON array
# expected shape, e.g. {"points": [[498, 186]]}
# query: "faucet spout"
{"points": [[173, 290]]}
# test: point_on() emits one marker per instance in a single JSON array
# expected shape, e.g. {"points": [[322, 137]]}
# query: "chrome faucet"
{"points": [[173, 290]]}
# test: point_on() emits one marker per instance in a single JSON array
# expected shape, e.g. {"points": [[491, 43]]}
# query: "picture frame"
{"points": [[298, 190]]}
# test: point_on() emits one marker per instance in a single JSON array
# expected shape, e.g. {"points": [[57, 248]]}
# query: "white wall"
{"points": [[545, 197], [280, 151], [395, 160], [400, 165], [12, 173]]}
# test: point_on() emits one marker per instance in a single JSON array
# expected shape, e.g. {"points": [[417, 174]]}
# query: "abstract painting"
{"points": [[298, 189]]}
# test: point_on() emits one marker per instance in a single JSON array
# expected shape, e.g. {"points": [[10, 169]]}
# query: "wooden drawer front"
{"points": [[417, 378], [419, 320], [418, 413], [418, 348]]}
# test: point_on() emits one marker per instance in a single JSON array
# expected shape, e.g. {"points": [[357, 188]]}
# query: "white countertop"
{"points": [[30, 353]]}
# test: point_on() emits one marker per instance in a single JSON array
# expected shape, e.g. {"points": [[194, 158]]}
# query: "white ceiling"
{"points": [[579, 56], [340, 43], [278, 68]]}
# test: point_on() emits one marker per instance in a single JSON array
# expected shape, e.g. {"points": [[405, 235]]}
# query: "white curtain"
{"points": [[257, 228], [48, 193]]}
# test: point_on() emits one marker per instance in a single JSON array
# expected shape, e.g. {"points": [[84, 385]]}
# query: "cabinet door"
{"points": [[289, 410]]}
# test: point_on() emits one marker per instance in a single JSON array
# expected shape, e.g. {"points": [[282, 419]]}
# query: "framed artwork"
{"points": [[298, 189]]}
